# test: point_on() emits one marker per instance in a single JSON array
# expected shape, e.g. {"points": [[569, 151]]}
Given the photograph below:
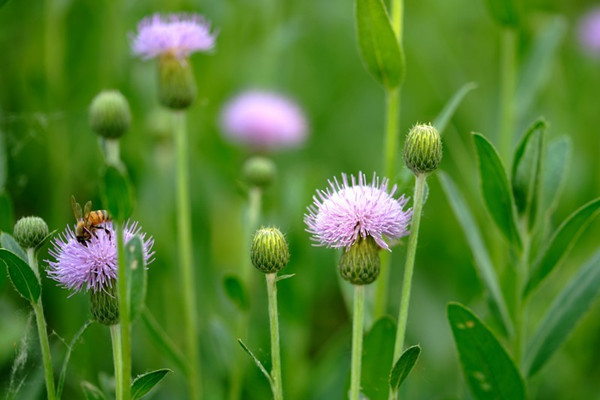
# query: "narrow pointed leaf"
{"points": [[21, 275], [403, 366], [561, 243], [9, 243], [236, 291], [443, 118], [163, 341], [145, 382], [483, 262], [118, 196], [91, 392], [137, 276], [504, 12], [488, 369], [284, 277], [563, 315], [256, 361], [379, 48], [377, 357], [65, 364], [495, 190], [45, 240], [555, 169], [527, 170]]}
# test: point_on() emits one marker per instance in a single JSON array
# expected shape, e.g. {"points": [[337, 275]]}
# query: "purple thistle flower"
{"points": [[94, 266], [178, 34], [589, 31], [264, 120], [343, 213]]}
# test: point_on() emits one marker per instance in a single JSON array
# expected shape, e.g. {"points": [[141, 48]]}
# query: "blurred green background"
{"points": [[58, 54]]}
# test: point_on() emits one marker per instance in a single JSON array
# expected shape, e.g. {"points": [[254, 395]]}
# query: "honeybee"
{"points": [[88, 221]]}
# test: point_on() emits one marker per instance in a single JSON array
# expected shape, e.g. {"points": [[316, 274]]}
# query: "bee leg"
{"points": [[107, 231]]}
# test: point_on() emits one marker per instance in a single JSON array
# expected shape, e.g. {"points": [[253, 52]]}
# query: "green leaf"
{"points": [[6, 213], [562, 316], [65, 364], [539, 63], [163, 341], [284, 277], [256, 361], [495, 189], [377, 356], [45, 240], [489, 371], [9, 243], [504, 12], [91, 392], [483, 262], [21, 275], [137, 275], [379, 48], [403, 366], [144, 383], [236, 291], [526, 171], [561, 243], [556, 165], [443, 118], [118, 195]]}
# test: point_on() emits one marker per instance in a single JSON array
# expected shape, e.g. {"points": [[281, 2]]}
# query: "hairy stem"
{"points": [[274, 326], [124, 318], [115, 335], [357, 340]]}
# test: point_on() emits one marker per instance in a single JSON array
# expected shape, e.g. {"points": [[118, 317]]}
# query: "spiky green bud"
{"points": [[360, 263], [30, 232], [110, 116], [269, 252], [423, 149], [105, 305], [259, 171], [176, 83]]}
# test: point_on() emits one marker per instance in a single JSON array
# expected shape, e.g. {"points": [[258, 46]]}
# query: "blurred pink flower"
{"points": [[589, 31]]}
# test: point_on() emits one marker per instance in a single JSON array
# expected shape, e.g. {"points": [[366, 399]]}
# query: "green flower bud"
{"points": [[29, 232], [110, 116], [360, 263], [423, 149], [105, 305], [176, 83], [269, 252], [259, 171]]}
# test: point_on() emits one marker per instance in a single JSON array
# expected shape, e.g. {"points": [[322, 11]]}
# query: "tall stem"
{"points": [[124, 319], [522, 271], [112, 152], [42, 331], [357, 339], [409, 265], [274, 325], [184, 240], [115, 335], [508, 82]]}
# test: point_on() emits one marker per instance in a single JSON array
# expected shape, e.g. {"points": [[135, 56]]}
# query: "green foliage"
{"points": [[555, 172], [137, 275], [163, 341], [237, 292], [144, 383], [118, 194], [504, 12], [489, 371], [22, 276], [92, 392], [443, 118], [67, 358], [6, 212], [380, 50], [378, 350], [403, 366], [9, 243], [256, 361]]}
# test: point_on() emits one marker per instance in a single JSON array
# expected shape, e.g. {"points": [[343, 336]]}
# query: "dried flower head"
{"points": [[92, 266], [342, 214], [264, 120], [176, 34], [589, 31]]}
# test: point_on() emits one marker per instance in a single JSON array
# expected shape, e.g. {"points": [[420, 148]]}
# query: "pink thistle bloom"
{"points": [[344, 212], [94, 265], [178, 34], [264, 120], [589, 31]]}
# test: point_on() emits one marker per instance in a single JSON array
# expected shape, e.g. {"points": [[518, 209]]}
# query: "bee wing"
{"points": [[86, 210], [76, 208]]}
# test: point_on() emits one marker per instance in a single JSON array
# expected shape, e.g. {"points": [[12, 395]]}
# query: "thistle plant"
{"points": [[172, 39], [358, 217]]}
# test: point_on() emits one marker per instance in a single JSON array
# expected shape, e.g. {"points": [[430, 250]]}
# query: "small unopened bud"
{"points": [[110, 116], [29, 232], [269, 252], [105, 305], [259, 171], [176, 83], [360, 263], [423, 149]]}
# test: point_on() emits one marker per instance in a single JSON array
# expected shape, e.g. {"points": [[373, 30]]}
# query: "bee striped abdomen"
{"points": [[98, 217]]}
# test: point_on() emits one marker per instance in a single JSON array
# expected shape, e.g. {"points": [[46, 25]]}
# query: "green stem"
{"points": [[42, 331], [522, 271], [184, 240], [357, 339], [125, 323], [115, 335], [508, 81], [409, 265], [112, 154], [397, 16], [274, 325]]}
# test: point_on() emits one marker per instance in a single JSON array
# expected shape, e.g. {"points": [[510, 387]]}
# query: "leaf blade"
{"points": [[9, 243], [117, 194], [403, 366], [22, 276], [92, 392], [555, 172], [256, 361], [441, 121], [377, 356], [137, 279], [144, 383]]}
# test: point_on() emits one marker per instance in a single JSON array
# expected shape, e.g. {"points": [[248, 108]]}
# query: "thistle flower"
{"points": [[343, 213], [176, 34], [589, 31], [92, 266], [264, 120]]}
